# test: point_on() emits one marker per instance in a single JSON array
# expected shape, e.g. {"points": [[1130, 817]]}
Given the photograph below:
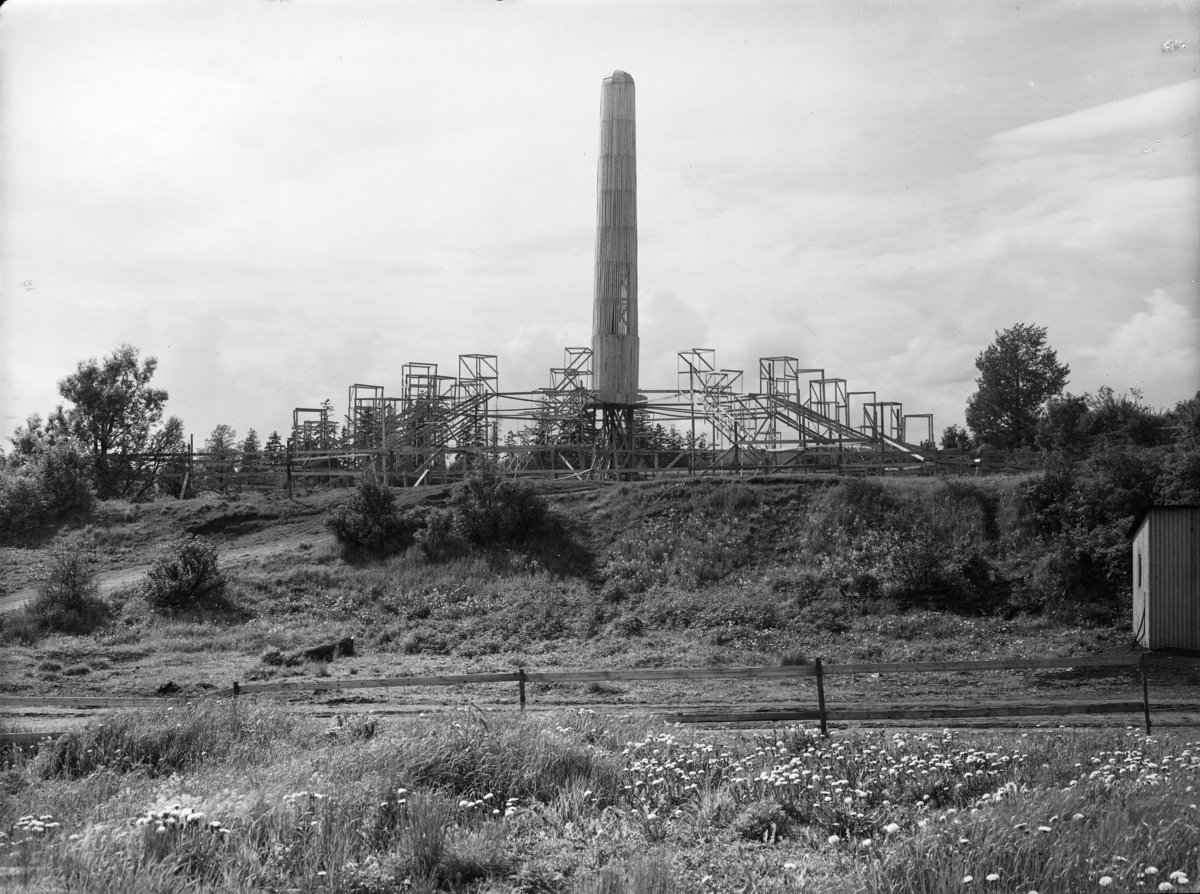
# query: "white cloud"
{"points": [[1154, 349], [1161, 110]]}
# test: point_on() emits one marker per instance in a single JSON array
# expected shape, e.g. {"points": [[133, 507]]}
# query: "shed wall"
{"points": [[1173, 594]]}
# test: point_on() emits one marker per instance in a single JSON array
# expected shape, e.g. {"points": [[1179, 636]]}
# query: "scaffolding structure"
{"points": [[439, 427]]}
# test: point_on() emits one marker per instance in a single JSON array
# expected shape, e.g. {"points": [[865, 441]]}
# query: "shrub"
{"points": [[71, 581], [22, 504], [49, 485], [761, 821], [67, 602], [369, 523], [439, 539], [185, 574], [65, 475], [489, 509]]}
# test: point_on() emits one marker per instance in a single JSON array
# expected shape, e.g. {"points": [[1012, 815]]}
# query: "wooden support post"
{"points": [[1145, 691], [236, 689], [821, 696], [521, 685], [191, 469], [288, 460]]}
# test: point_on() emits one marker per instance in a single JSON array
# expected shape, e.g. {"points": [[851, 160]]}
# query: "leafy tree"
{"points": [[251, 462], [1122, 418], [115, 416], [1075, 425], [222, 450], [1063, 428], [1186, 418], [329, 426], [45, 479], [955, 437], [274, 449], [1018, 372]]}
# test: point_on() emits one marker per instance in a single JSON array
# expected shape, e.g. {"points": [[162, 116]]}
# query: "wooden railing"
{"points": [[817, 669]]}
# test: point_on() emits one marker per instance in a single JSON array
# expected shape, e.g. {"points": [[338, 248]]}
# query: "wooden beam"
{"points": [[88, 701], [383, 682], [911, 667], [672, 673], [909, 712]]}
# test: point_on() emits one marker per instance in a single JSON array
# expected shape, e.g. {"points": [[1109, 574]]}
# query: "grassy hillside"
{"points": [[269, 796], [672, 572]]}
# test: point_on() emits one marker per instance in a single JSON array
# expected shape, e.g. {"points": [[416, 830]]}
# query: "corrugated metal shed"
{"points": [[1166, 577]]}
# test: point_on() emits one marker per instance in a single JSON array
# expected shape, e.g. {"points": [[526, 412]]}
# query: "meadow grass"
{"points": [[206, 799]]}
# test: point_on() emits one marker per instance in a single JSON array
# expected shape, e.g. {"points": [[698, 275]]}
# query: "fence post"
{"points": [[521, 685], [1145, 691], [821, 696]]}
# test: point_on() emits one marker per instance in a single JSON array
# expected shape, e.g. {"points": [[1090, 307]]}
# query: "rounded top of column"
{"points": [[620, 77]]}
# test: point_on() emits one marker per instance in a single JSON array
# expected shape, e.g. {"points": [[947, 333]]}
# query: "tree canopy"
{"points": [[1018, 372], [116, 416]]}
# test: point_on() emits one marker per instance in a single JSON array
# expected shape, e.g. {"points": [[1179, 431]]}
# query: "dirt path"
{"points": [[232, 555]]}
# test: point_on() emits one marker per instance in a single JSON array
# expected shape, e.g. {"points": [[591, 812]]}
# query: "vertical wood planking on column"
{"points": [[615, 302]]}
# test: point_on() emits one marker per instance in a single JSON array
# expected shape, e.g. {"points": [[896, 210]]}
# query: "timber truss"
{"points": [[440, 426]]}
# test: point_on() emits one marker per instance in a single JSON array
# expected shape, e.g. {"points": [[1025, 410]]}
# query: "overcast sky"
{"points": [[279, 199]]}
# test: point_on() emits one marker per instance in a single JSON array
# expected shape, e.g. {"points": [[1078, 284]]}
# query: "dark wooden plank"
{"points": [[912, 712], [382, 682], [910, 667], [672, 673], [89, 701]]}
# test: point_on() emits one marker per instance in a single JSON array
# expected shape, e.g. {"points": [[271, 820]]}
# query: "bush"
{"points": [[439, 539], [369, 524], [71, 581], [65, 475], [22, 504], [46, 487], [67, 602], [185, 575], [761, 821], [489, 509]]}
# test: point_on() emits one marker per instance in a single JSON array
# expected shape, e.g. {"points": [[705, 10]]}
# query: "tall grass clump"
{"points": [[506, 760], [186, 574], [159, 743], [68, 601], [1053, 841], [728, 499], [369, 525], [646, 875]]}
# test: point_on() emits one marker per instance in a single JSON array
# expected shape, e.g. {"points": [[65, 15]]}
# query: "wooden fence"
{"points": [[818, 669]]}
